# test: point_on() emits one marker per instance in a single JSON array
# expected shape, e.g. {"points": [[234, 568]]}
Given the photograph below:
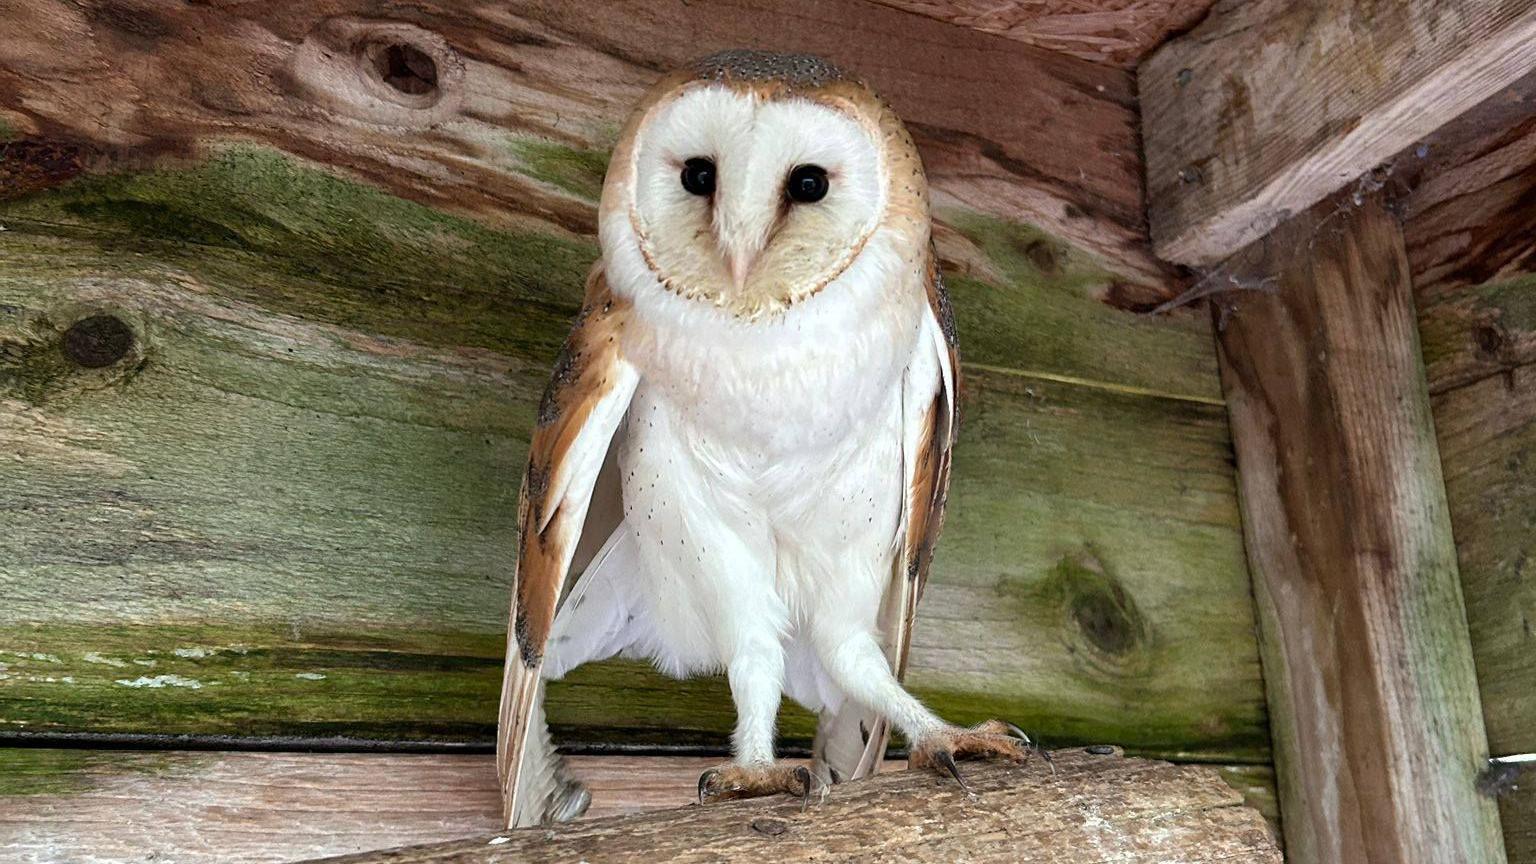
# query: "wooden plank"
{"points": [[513, 79], [1518, 813], [1479, 347], [1487, 437], [1269, 106], [109, 806], [1378, 728], [1120, 32], [1465, 193], [283, 513], [64, 806], [1093, 808]]}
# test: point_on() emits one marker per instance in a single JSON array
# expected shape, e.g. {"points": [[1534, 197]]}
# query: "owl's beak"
{"points": [[740, 264]]}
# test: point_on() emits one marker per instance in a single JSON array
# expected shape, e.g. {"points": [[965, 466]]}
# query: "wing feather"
{"points": [[930, 408], [584, 404]]}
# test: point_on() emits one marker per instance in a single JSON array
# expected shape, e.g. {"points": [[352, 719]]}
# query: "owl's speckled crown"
{"points": [[795, 70]]}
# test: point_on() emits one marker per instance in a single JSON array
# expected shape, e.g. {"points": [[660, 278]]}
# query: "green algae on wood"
{"points": [[1479, 346], [1471, 333], [1041, 310], [575, 170], [310, 456], [1487, 434], [300, 241]]}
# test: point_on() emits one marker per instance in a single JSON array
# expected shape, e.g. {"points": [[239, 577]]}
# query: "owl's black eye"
{"points": [[699, 176], [807, 184]]}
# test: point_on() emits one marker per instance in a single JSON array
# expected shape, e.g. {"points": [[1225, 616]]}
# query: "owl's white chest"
{"points": [[781, 387], [761, 467]]}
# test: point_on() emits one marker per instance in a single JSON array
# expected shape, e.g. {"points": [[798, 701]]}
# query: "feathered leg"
{"points": [[547, 792]]}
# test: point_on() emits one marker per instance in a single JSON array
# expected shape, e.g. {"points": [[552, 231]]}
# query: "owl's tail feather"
{"points": [[546, 791], [843, 740]]}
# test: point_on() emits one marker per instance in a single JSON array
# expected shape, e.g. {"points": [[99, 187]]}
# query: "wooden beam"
{"points": [[1120, 32], [1268, 106], [1466, 194], [1374, 703], [134, 77], [1093, 808], [110, 806]]}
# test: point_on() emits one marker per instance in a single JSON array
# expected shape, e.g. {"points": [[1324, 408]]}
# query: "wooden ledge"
{"points": [[1097, 806]]}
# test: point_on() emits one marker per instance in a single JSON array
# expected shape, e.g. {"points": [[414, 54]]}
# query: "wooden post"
{"points": [[1094, 807], [1378, 728]]}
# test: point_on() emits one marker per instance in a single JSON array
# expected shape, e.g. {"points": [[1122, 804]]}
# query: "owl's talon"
{"points": [[704, 781], [731, 781], [946, 760], [1046, 755], [993, 739]]}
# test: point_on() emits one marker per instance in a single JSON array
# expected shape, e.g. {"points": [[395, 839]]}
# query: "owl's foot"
{"points": [[994, 739], [731, 781]]}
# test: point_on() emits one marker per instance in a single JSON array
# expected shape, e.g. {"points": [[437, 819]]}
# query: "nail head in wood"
{"points": [[770, 827]]}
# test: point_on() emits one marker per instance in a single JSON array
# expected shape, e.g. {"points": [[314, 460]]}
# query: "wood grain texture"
{"points": [[287, 509], [1119, 32], [1095, 808], [1269, 106], [1479, 346], [1518, 813], [1466, 192], [65, 806], [1378, 728], [509, 79]]}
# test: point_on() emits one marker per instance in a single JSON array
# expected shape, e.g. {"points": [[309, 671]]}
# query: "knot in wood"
{"points": [[97, 341], [404, 67], [1101, 615]]}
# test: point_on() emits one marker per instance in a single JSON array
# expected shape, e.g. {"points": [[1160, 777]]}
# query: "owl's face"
{"points": [[751, 198]]}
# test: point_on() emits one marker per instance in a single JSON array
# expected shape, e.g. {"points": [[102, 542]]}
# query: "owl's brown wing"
{"points": [[930, 415], [584, 404]]}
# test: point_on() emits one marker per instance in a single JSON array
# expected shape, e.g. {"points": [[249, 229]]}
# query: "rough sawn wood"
{"points": [[1378, 728], [1094, 808], [1268, 107]]}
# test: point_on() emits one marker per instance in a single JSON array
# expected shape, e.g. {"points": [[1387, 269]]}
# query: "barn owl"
{"points": [[742, 459]]}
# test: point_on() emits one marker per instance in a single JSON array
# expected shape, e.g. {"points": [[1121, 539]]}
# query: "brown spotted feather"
{"points": [[585, 374]]}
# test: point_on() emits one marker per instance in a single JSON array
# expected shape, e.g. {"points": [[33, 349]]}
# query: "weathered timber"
{"points": [[241, 808], [284, 511], [1487, 434], [1268, 106], [1378, 729], [1093, 808], [1466, 191], [64, 806], [1480, 347], [1518, 813], [1106, 31], [1470, 235], [547, 84]]}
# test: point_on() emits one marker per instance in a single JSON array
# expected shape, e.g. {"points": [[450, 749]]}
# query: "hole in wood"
{"points": [[97, 341], [404, 67], [1490, 340]]}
